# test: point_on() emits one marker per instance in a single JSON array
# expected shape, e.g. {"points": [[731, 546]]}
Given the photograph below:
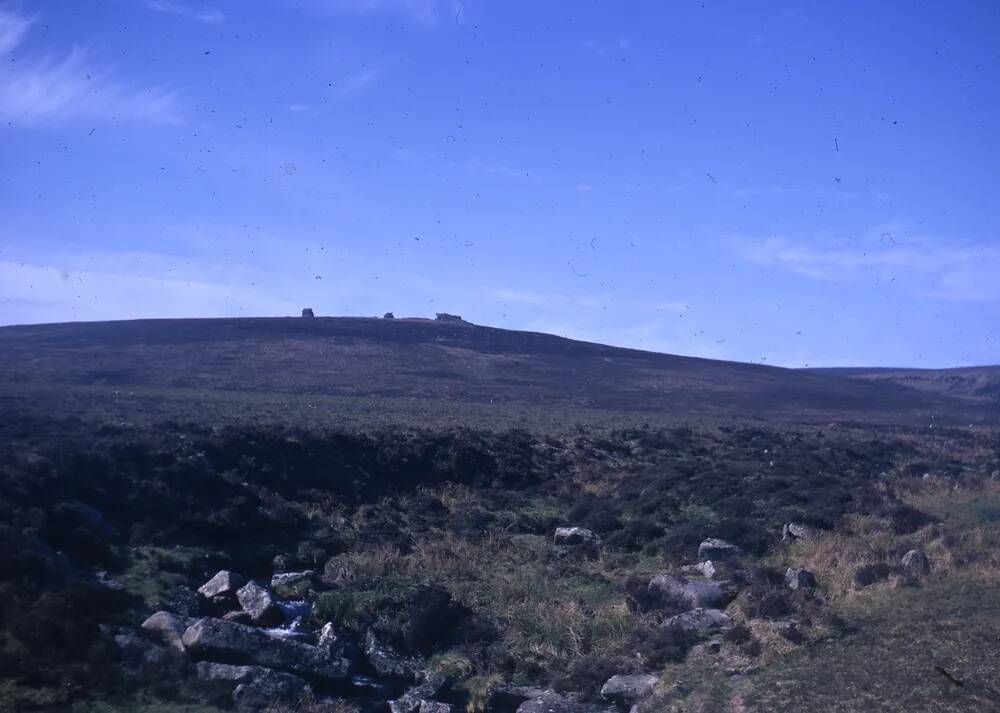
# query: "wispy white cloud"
{"points": [[504, 170], [966, 272], [595, 301], [196, 271], [31, 293], [359, 80], [36, 90], [207, 15], [13, 28], [422, 12], [518, 297]]}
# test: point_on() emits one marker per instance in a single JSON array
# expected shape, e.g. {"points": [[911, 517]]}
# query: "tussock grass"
{"points": [[545, 607], [965, 542]]}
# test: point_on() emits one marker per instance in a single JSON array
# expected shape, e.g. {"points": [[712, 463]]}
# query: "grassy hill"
{"points": [[325, 370], [419, 469], [975, 383]]}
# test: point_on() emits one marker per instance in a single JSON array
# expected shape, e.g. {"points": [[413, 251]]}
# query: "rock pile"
{"points": [[264, 659]]}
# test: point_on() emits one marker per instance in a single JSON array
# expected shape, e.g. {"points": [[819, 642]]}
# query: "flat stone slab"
{"points": [[228, 642]]}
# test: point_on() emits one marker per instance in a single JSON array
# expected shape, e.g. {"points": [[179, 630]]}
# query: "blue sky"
{"points": [[787, 183]]}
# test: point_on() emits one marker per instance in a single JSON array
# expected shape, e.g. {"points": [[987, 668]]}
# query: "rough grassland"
{"points": [[908, 646]]}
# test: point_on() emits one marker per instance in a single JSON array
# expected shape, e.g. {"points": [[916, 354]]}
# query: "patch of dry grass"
{"points": [[547, 608], [964, 543]]}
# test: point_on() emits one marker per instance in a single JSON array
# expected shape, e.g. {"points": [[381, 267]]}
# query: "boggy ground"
{"points": [[440, 542]]}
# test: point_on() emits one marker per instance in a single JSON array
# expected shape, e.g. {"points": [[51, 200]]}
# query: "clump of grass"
{"points": [[964, 542], [547, 609]]}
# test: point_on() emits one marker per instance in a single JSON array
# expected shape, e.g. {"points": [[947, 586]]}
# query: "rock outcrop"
{"points": [[576, 539], [686, 593], [793, 531], [627, 689], [168, 628], [256, 687], [258, 603], [716, 549], [223, 641], [796, 578], [222, 587], [705, 569], [388, 662], [915, 563], [699, 621], [292, 585], [420, 699]]}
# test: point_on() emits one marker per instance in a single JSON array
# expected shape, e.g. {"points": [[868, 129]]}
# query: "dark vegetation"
{"points": [[163, 509], [123, 489], [332, 370]]}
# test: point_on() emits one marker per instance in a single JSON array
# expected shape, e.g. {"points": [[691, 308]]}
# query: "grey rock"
{"points": [[307, 312], [414, 699], [227, 641], [699, 621], [506, 698], [240, 617], [552, 703], [328, 636], [796, 578], [209, 671], [259, 604], [434, 707], [412, 702], [223, 585], [388, 662], [274, 687], [292, 585], [793, 531], [690, 593], [705, 569], [915, 563], [257, 687], [575, 537], [624, 690], [168, 628], [714, 548], [329, 639], [404, 705], [106, 580], [140, 658]]}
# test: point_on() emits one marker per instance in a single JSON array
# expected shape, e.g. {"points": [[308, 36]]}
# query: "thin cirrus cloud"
{"points": [[35, 293], [359, 80], [954, 273], [47, 89], [421, 12], [207, 15]]}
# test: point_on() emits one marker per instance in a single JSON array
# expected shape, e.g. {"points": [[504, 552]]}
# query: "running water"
{"points": [[296, 612]]}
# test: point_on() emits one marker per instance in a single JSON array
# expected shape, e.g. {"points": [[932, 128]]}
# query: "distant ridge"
{"points": [[445, 361]]}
